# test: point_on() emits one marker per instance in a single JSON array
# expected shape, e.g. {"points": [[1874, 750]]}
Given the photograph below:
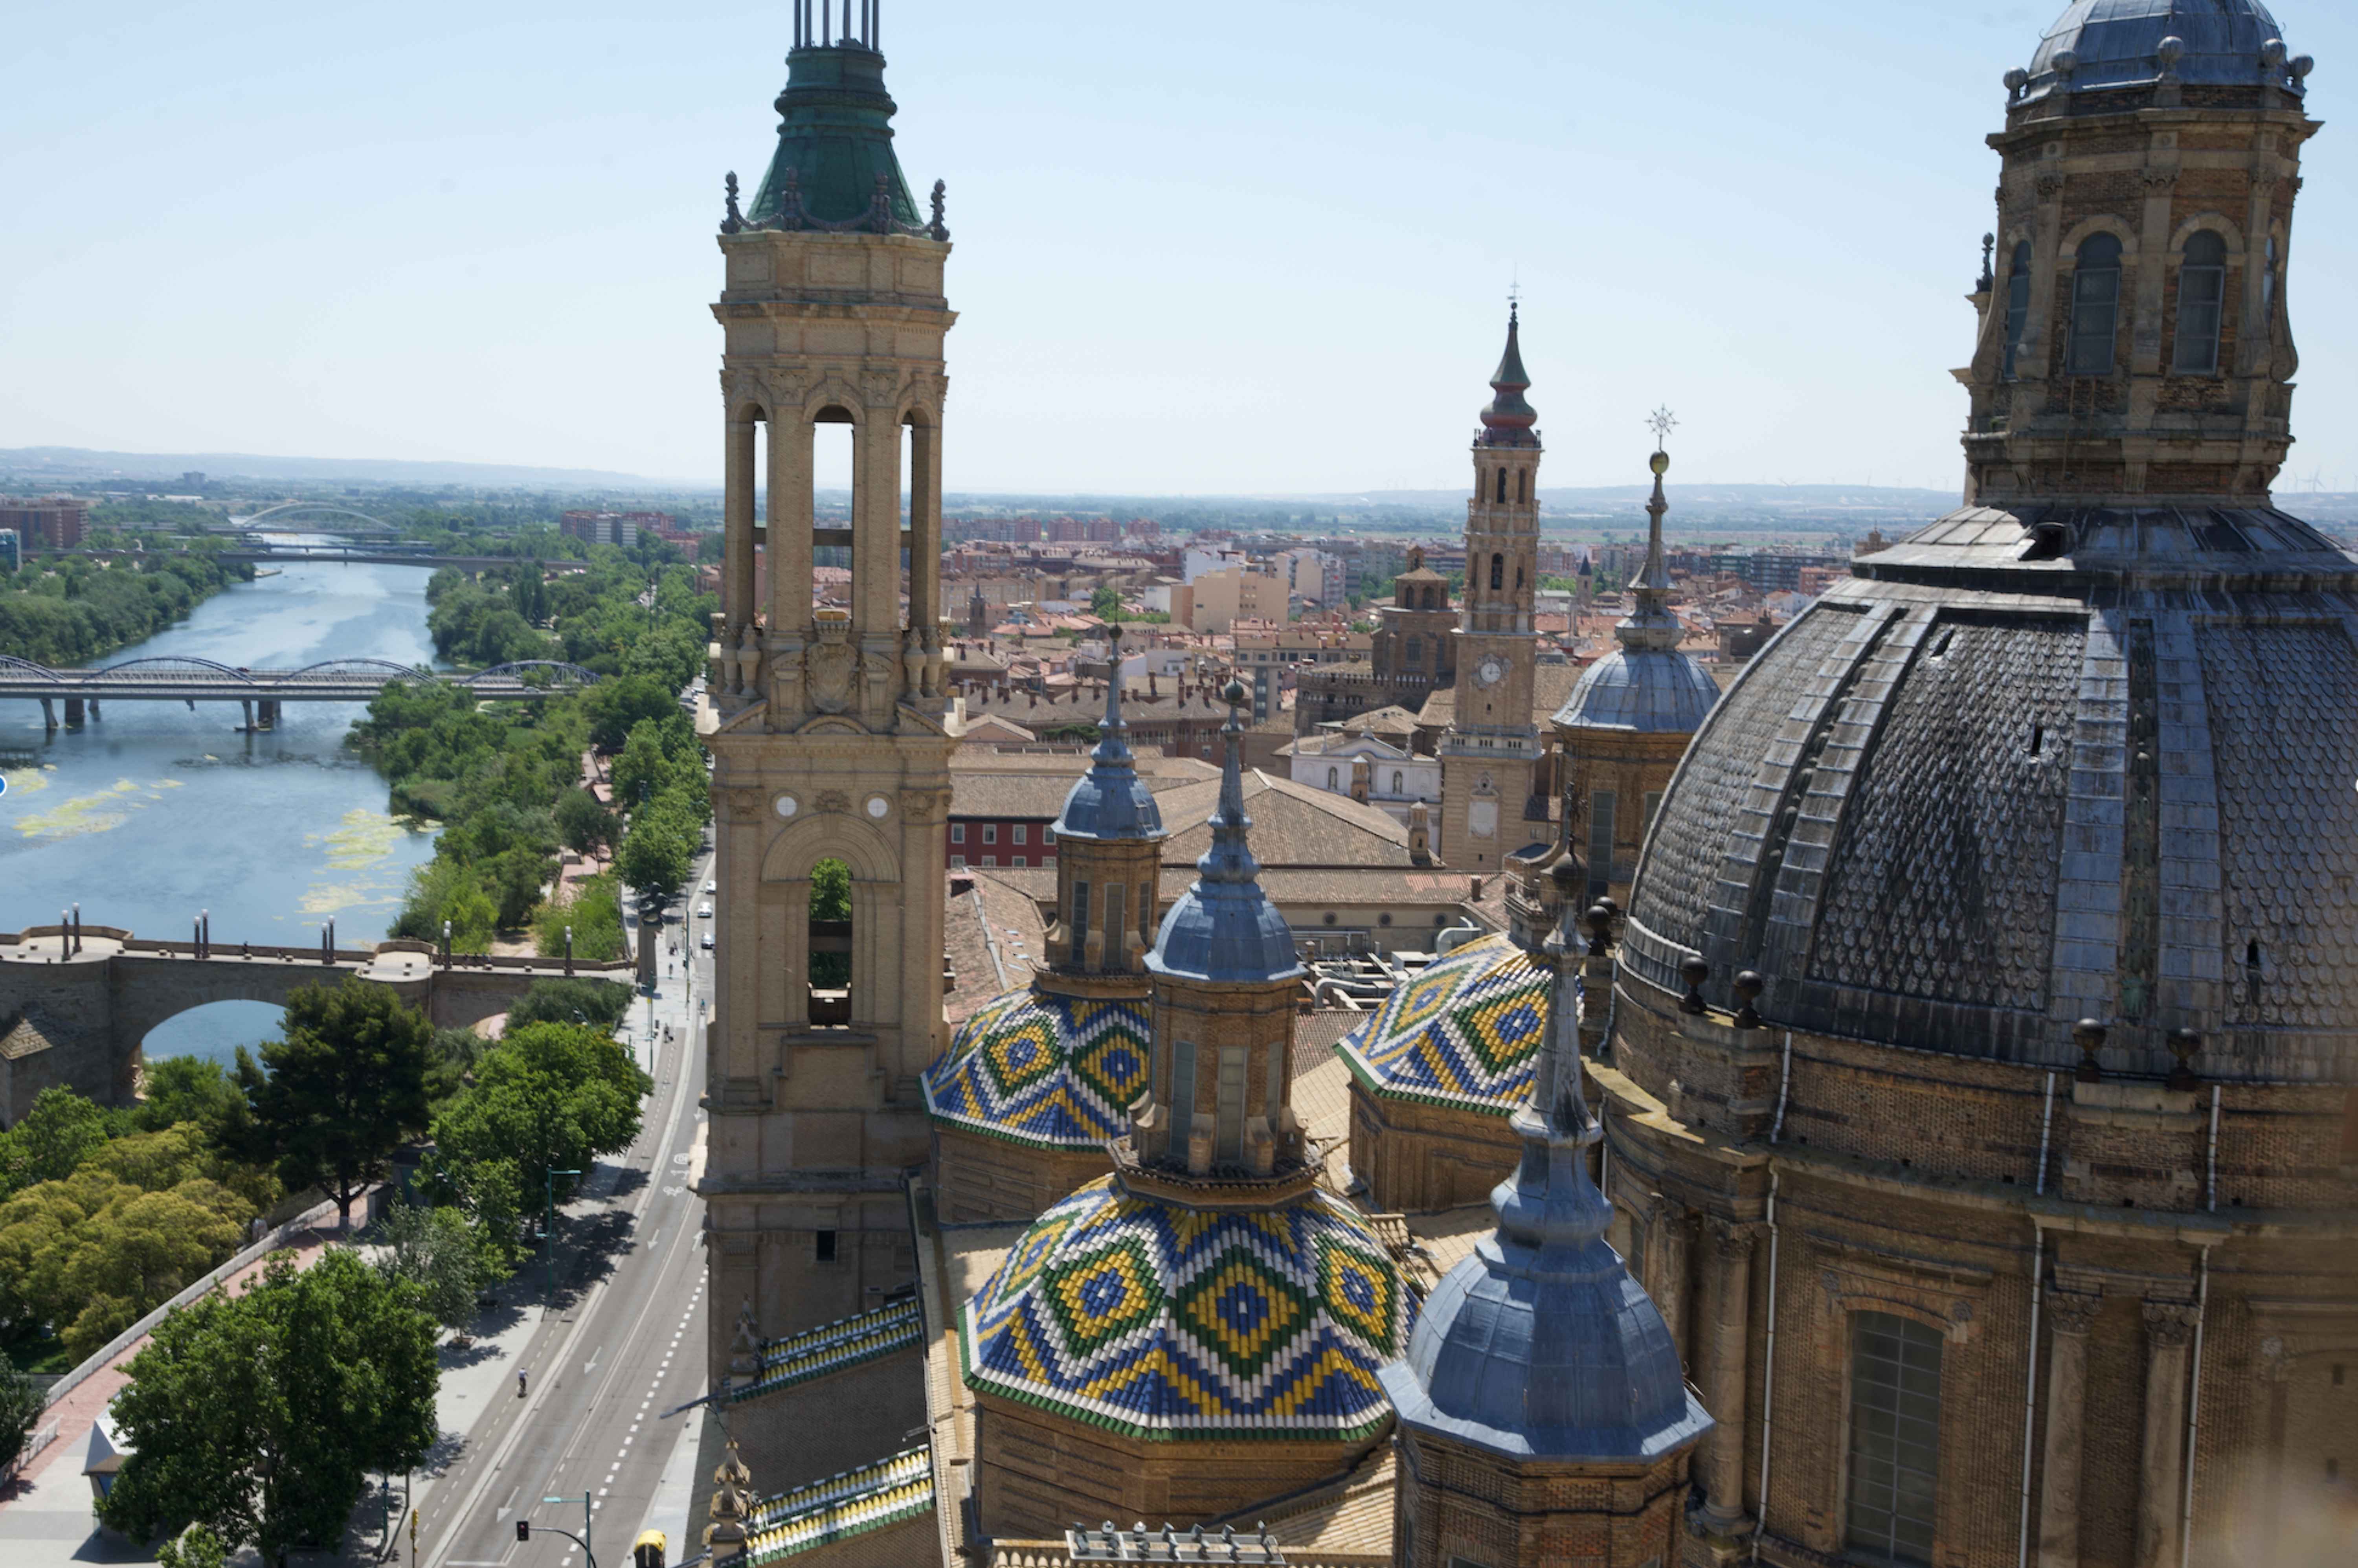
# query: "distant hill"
{"points": [[76, 467]]}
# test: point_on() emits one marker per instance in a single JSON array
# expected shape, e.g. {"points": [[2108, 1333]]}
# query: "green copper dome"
{"points": [[835, 140]]}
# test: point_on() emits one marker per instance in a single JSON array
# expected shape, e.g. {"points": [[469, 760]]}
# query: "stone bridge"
{"points": [[75, 1004]]}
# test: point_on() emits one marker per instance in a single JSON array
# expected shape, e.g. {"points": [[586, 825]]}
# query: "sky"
{"points": [[1256, 248]]}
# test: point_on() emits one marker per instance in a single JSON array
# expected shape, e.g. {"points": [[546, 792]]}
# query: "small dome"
{"points": [[1464, 1033], [2099, 44], [1224, 929], [1054, 1072], [1111, 800], [1165, 1322], [1659, 691]]}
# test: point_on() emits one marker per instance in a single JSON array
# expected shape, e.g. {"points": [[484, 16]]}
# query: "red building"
{"points": [[51, 523]]}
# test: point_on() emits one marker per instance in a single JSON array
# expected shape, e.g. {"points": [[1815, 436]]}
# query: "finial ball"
{"points": [[1233, 693], [1659, 462]]}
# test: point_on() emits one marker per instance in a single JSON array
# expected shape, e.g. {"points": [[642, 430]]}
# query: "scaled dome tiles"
{"points": [[1054, 1072], [1169, 1322], [1466, 1031]]}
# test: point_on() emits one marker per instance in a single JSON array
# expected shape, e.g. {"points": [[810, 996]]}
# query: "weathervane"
{"points": [[1662, 421]]}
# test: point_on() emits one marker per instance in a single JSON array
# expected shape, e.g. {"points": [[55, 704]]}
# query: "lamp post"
{"points": [[549, 1239], [524, 1528]]}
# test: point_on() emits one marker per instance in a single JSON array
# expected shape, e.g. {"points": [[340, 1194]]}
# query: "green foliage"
{"points": [[1105, 605], [600, 1002], [82, 611], [51, 1140], [831, 899], [179, 1089], [614, 706], [436, 1250], [343, 1088], [259, 1416], [20, 1407], [450, 1055], [584, 823], [549, 1097], [594, 916], [195, 1546]]}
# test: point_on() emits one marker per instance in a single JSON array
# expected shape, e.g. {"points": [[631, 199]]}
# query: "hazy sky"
{"points": [[1200, 247]]}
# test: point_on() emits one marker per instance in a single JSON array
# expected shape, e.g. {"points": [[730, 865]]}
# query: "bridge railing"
{"points": [[165, 947]]}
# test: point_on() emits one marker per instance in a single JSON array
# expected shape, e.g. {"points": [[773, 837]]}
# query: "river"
{"points": [[156, 812]]}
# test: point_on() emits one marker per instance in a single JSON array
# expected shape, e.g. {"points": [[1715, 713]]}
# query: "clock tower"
{"points": [[1489, 754]]}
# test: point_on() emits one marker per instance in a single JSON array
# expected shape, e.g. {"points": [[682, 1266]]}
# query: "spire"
{"points": [[1550, 1201], [1113, 750], [1509, 421], [1224, 928], [1650, 625], [1110, 802]]}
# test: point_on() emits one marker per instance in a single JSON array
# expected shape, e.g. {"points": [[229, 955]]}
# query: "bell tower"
{"points": [[825, 722], [1489, 754]]}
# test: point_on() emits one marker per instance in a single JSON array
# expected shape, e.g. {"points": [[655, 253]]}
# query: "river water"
{"points": [[154, 811]]}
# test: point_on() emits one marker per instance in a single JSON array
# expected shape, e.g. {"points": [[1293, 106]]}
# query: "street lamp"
{"points": [[549, 1238]]}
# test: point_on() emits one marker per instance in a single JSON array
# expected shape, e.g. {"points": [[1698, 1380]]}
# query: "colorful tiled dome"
{"points": [[1165, 1321], [1055, 1072], [1464, 1032]]}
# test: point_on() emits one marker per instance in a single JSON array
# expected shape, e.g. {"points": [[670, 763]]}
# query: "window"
{"points": [[957, 863], [2268, 281], [1146, 911], [1023, 833], [1228, 1126], [1415, 652], [958, 832], [990, 832], [1048, 835], [1115, 907], [1653, 800], [1895, 1433], [1502, 486], [1079, 924], [823, 1246], [2202, 290], [1600, 840], [1497, 571], [1017, 861], [990, 861], [2095, 306], [1523, 486], [1183, 1096], [2018, 301]]}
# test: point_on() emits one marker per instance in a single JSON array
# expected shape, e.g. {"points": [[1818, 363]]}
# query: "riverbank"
{"points": [[76, 615]]}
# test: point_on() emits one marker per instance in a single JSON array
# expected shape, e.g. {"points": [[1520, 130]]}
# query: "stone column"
{"points": [[1729, 1281], [737, 518], [2070, 1313], [2167, 1326], [925, 531], [790, 529]]}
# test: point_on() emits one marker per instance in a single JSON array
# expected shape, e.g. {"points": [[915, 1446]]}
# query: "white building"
{"points": [[1396, 777]]}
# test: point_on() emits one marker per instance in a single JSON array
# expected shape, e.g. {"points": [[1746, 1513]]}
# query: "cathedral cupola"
{"points": [[1509, 421], [835, 165]]}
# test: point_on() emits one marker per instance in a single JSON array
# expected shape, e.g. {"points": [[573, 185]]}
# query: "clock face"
{"points": [[1492, 671]]}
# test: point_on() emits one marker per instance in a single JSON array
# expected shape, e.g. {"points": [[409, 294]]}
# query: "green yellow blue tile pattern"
{"points": [[865, 1498], [1054, 1072], [1161, 1321], [1466, 1031], [831, 1348]]}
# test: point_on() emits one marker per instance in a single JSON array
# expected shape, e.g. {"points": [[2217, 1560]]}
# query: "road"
{"points": [[624, 1343]]}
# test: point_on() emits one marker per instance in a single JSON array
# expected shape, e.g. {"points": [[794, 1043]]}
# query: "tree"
{"points": [[438, 1252], [195, 1546], [831, 899], [20, 1407], [584, 823], [344, 1086], [51, 1140], [259, 1416], [616, 706], [549, 1097], [191, 1089], [601, 1003], [658, 853], [1106, 604]]}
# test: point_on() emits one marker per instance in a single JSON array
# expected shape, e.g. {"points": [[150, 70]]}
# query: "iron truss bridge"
{"points": [[337, 680]]}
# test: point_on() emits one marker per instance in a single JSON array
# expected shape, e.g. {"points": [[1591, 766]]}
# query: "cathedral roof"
{"points": [[1038, 1068], [852, 1502], [1159, 1321], [1658, 690], [1464, 1033], [1509, 420], [2165, 786], [2099, 44]]}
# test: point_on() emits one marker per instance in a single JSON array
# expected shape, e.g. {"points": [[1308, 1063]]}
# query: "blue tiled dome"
{"points": [[2117, 43], [1466, 1031], [1657, 690], [1165, 1321], [1224, 929], [1111, 800], [1054, 1072]]}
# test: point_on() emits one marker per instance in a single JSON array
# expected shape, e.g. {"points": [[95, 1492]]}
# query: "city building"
{"points": [[12, 553], [1491, 752], [601, 528], [50, 522], [1413, 652]]}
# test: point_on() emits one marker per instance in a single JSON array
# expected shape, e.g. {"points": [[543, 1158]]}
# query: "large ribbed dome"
{"points": [[2098, 44], [2033, 765]]}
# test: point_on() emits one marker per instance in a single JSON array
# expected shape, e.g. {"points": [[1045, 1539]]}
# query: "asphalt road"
{"points": [[623, 1342]]}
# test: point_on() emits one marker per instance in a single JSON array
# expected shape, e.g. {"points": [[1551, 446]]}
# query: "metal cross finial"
{"points": [[1662, 421], [1515, 294]]}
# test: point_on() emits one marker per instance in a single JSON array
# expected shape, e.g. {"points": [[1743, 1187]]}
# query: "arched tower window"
{"points": [[2201, 291], [1078, 927], [1502, 487], [2095, 306], [1895, 1432], [2018, 301], [1415, 652], [830, 931], [1497, 571], [1523, 486]]}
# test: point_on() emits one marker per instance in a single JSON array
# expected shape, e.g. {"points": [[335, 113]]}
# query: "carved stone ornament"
{"points": [[2073, 1312], [1732, 1239], [833, 666], [833, 800], [2157, 181], [2169, 1324], [916, 805], [2050, 186], [744, 805]]}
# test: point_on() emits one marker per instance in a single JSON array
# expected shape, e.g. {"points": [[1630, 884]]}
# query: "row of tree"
{"points": [[84, 610]]}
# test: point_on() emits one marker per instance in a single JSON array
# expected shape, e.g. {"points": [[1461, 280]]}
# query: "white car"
{"points": [[710, 887], [707, 941], [704, 912]]}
